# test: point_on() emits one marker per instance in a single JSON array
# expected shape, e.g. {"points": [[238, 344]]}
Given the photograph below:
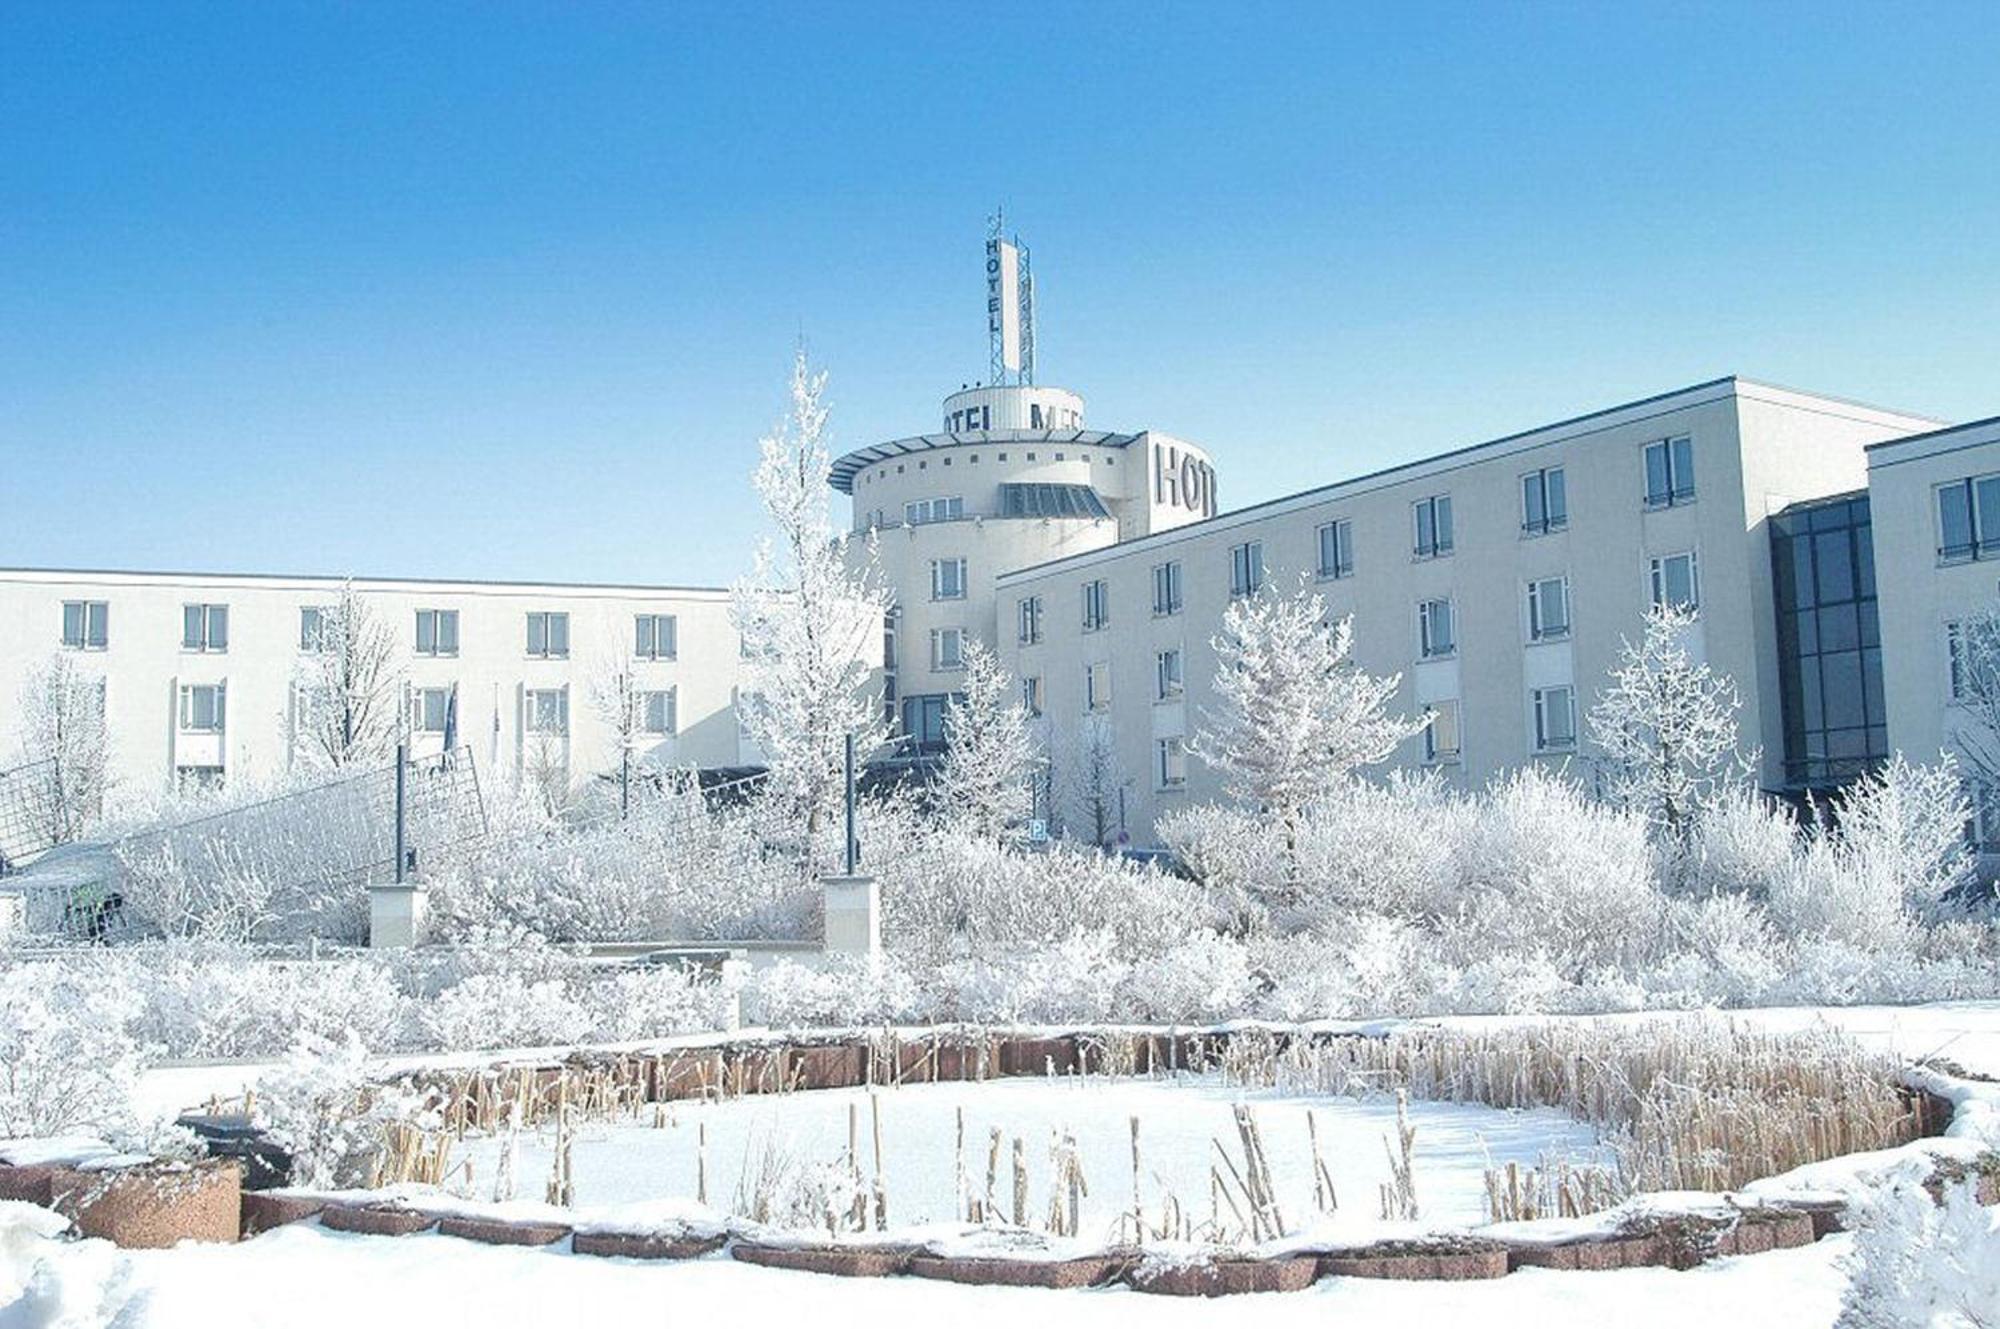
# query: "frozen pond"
{"points": [[625, 1163]]}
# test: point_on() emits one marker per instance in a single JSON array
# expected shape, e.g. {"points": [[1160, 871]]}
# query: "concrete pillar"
{"points": [[853, 907], [395, 915]]}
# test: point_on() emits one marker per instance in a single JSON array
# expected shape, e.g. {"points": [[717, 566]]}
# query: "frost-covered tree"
{"points": [[619, 701], [349, 687], [1666, 727], [1093, 780], [62, 724], [1294, 716], [983, 787], [1976, 690], [807, 616]]}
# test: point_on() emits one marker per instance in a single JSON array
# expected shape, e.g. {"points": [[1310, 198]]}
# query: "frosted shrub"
{"points": [[1728, 938], [505, 1010], [1206, 978], [67, 1060], [673, 870], [847, 990], [1917, 1264], [657, 1001], [1905, 826], [1742, 843], [1078, 979], [959, 895], [1232, 857], [1545, 871], [314, 1107]]}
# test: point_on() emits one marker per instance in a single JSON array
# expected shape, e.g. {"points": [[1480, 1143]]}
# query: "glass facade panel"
{"points": [[1829, 657]]}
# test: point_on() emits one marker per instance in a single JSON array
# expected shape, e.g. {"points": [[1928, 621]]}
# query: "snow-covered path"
{"points": [[302, 1277]]}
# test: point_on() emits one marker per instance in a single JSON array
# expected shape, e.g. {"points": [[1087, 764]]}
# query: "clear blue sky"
{"points": [[506, 291]]}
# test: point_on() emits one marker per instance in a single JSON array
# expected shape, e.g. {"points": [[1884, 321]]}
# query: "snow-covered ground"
{"points": [[303, 1277], [631, 1164]]}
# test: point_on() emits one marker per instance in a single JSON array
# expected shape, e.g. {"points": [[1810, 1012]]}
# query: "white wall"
{"points": [[1919, 592]]}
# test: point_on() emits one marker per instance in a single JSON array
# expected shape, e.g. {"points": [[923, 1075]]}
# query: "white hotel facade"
{"points": [[202, 672], [1827, 546]]}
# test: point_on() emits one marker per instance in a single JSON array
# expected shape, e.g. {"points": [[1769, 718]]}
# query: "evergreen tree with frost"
{"points": [[1666, 728], [1294, 717], [983, 786], [62, 724], [349, 687], [807, 617]]}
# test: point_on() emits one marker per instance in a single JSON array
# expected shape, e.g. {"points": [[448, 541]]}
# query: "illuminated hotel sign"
{"points": [[1183, 479]]}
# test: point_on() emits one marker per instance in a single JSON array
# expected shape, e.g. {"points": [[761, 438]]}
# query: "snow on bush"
{"points": [[68, 1061], [316, 1107], [1924, 1264]]}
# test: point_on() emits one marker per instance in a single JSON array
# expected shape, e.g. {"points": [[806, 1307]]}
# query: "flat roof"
{"points": [[468, 584], [1715, 389], [1915, 447], [851, 464]]}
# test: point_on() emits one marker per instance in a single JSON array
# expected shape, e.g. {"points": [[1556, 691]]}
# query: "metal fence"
{"points": [[30, 812], [342, 831]]}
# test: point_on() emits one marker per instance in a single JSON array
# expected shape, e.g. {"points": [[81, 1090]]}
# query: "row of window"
{"points": [[1552, 713], [1674, 580], [1968, 514], [86, 625], [545, 711]]}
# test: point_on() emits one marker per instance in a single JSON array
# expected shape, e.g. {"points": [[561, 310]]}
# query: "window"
{"points": [[1969, 519], [547, 711], [1030, 609], [1441, 738], [1170, 762], [548, 636], [437, 632], [1336, 549], [659, 712], [655, 636], [85, 623], [1167, 673], [205, 628], [1433, 517], [1548, 609], [927, 510], [1669, 472], [1555, 719], [1166, 588], [1246, 568], [312, 630], [202, 708], [947, 579], [1096, 604], [923, 721], [1031, 695], [1676, 582], [431, 710], [947, 648], [1544, 502], [1096, 686], [1434, 629]]}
